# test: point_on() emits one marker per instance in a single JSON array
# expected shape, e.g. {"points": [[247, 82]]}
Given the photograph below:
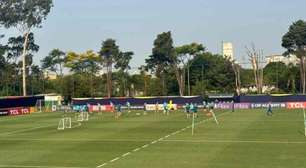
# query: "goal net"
{"points": [[64, 123], [46, 106]]}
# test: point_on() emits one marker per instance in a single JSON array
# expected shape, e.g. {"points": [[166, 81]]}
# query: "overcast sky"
{"points": [[80, 25]]}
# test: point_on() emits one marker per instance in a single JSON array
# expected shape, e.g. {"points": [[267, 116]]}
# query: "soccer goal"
{"points": [[83, 116], [64, 123], [46, 106]]}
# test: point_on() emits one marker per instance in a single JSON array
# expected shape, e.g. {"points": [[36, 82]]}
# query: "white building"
{"points": [[228, 50], [292, 59], [50, 75]]}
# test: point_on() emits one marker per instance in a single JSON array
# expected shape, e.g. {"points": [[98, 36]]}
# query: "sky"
{"points": [[80, 25]]}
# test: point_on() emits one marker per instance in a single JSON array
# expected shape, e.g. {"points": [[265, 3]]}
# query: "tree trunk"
{"points": [[24, 53], [180, 75], [237, 78], [109, 80], [163, 83], [145, 85]]}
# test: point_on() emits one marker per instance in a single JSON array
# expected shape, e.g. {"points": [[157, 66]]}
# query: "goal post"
{"points": [[83, 116], [64, 123], [46, 106]]}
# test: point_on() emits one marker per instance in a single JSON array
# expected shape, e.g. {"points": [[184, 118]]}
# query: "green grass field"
{"points": [[244, 139]]}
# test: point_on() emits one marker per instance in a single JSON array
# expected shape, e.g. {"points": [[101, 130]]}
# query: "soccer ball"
{"points": [[208, 114]]}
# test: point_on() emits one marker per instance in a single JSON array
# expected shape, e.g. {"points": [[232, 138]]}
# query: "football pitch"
{"points": [[244, 139]]}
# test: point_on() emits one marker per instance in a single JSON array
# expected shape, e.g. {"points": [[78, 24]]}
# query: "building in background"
{"points": [[50, 75], [291, 59], [228, 50]]}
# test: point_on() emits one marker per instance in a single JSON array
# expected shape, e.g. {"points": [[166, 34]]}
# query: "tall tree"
{"points": [[54, 61], [84, 65], [161, 53], [236, 67], [218, 75], [24, 15], [295, 43], [109, 53], [143, 73], [122, 63], [256, 60], [15, 47], [181, 60]]}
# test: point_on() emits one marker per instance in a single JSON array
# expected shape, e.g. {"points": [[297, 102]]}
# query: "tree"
{"points": [[182, 60], [109, 53], [24, 15], [282, 76], [54, 62], [161, 53], [84, 65], [122, 63], [143, 73], [256, 60], [295, 43], [213, 73], [236, 68], [15, 47]]}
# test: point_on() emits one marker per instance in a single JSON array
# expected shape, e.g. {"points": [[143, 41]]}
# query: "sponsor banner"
{"points": [[79, 108], [97, 108], [134, 107], [19, 111], [296, 105], [4, 112], [242, 105], [152, 107], [265, 105], [223, 106], [230, 105]]}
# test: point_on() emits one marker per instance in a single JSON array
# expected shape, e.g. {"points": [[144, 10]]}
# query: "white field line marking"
{"points": [[137, 149], [144, 146], [153, 142], [75, 140], [126, 154], [236, 141], [115, 159], [159, 140], [23, 166]]}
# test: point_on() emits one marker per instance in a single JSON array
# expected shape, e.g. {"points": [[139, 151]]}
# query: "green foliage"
{"points": [[109, 52], [161, 53], [24, 13], [87, 62], [54, 61], [15, 47], [282, 76], [217, 73], [295, 39], [123, 60]]}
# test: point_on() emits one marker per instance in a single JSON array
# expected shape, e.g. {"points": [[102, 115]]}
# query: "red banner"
{"points": [[19, 111], [296, 105], [96, 108]]}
